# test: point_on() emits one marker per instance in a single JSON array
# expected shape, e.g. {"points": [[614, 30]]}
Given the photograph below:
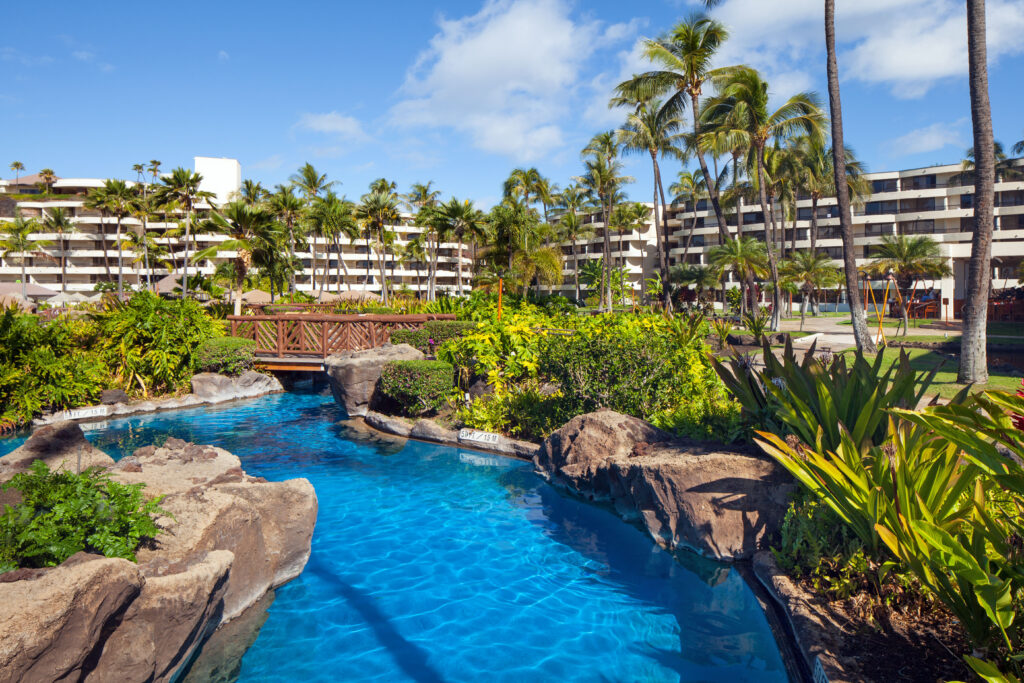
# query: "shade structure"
{"points": [[18, 301], [32, 290], [65, 298], [328, 297], [256, 296], [166, 284], [355, 295]]}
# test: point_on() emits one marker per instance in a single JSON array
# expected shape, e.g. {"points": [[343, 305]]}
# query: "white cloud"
{"points": [[505, 76], [907, 45], [346, 128], [929, 139], [83, 55], [223, 55], [10, 54]]}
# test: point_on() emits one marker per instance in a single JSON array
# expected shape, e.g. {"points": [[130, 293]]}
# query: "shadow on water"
{"points": [[408, 656], [708, 601]]}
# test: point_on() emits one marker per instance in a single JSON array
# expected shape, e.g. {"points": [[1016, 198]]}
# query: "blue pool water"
{"points": [[438, 564]]}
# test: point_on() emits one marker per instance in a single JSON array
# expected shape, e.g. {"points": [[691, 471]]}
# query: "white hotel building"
{"points": [[931, 201], [93, 244]]}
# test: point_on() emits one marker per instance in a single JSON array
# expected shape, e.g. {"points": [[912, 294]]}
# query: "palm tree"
{"points": [[907, 259], [817, 178], [96, 199], [376, 210], [684, 57], [18, 240], [520, 184], [119, 199], [1018, 148], [688, 188], [973, 356], [47, 177], [460, 219], [290, 210], [60, 222], [744, 256], [17, 167], [250, 230], [1005, 168], [603, 179], [743, 97], [810, 271], [154, 169], [330, 217], [571, 203], [182, 187], [422, 200], [310, 181], [253, 192], [703, 278], [653, 129], [858, 318]]}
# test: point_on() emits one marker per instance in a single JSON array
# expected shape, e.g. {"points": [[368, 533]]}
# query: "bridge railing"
{"points": [[321, 335]]}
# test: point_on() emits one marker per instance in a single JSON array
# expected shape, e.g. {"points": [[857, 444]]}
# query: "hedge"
{"points": [[416, 386], [433, 334], [226, 355]]}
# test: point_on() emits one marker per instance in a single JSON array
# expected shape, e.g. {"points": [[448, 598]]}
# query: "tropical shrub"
{"points": [[151, 343], [62, 513], [432, 334], [820, 397], [517, 410], [415, 338], [503, 352], [416, 386], [226, 355]]}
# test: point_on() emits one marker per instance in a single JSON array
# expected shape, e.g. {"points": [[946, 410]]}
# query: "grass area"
{"points": [[925, 360]]}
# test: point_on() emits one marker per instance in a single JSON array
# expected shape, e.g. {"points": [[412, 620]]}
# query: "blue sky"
{"points": [[458, 93]]}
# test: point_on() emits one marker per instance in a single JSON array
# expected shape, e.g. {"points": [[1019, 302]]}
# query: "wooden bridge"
{"points": [[303, 341]]}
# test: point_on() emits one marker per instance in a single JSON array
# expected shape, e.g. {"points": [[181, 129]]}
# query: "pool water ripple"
{"points": [[438, 564]]}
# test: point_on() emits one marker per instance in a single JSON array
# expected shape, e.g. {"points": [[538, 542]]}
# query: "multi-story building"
{"points": [[936, 201], [78, 260]]}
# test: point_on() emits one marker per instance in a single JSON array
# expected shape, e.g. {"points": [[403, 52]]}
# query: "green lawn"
{"points": [[924, 360]]}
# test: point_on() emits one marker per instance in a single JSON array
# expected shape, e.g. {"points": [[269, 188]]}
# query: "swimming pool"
{"points": [[432, 563]]}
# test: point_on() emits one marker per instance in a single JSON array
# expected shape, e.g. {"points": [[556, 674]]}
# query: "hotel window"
{"points": [[924, 227], [880, 207], [803, 213], [1014, 198], [967, 201], [883, 186], [922, 204], [920, 182]]}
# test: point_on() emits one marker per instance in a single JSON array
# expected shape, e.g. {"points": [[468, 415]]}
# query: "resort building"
{"points": [[936, 201], [79, 259]]}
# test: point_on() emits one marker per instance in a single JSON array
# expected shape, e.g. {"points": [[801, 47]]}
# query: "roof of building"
{"points": [[31, 289], [28, 179]]}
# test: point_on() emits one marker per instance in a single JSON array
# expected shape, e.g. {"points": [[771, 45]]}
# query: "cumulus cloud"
{"points": [[504, 76], [223, 55], [347, 128], [930, 138], [908, 45]]}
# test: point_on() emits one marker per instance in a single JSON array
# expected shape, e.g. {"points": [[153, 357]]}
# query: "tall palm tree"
{"points": [[330, 218], [907, 260], [18, 241], [689, 188], [520, 184], [182, 188], [973, 356], [603, 178], [703, 278], [744, 256], [310, 181], [119, 199], [1018, 148], [96, 199], [858, 318], [743, 97], [377, 210], [461, 220], [810, 271], [422, 199], [47, 177], [685, 59], [290, 210], [154, 169], [250, 230], [655, 130], [17, 167], [572, 202], [60, 222]]}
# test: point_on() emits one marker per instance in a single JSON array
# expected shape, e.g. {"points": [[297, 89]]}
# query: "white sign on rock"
{"points": [[475, 436], [82, 413]]}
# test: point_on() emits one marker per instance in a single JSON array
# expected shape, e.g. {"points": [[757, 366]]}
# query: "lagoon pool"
{"points": [[432, 563]]}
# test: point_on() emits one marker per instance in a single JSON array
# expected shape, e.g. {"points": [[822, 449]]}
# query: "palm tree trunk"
{"points": [[606, 271], [666, 294], [723, 229], [772, 265], [120, 261], [383, 279], [459, 269], [64, 263], [814, 223], [865, 344], [291, 253], [973, 357], [188, 233]]}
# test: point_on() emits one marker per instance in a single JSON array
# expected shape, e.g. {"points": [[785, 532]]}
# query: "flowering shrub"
{"points": [[416, 386], [502, 352], [226, 355]]}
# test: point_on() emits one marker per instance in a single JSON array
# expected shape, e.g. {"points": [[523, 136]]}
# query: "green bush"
{"points": [[440, 331], [151, 342], [416, 386], [62, 513], [518, 411], [415, 338], [226, 355]]}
